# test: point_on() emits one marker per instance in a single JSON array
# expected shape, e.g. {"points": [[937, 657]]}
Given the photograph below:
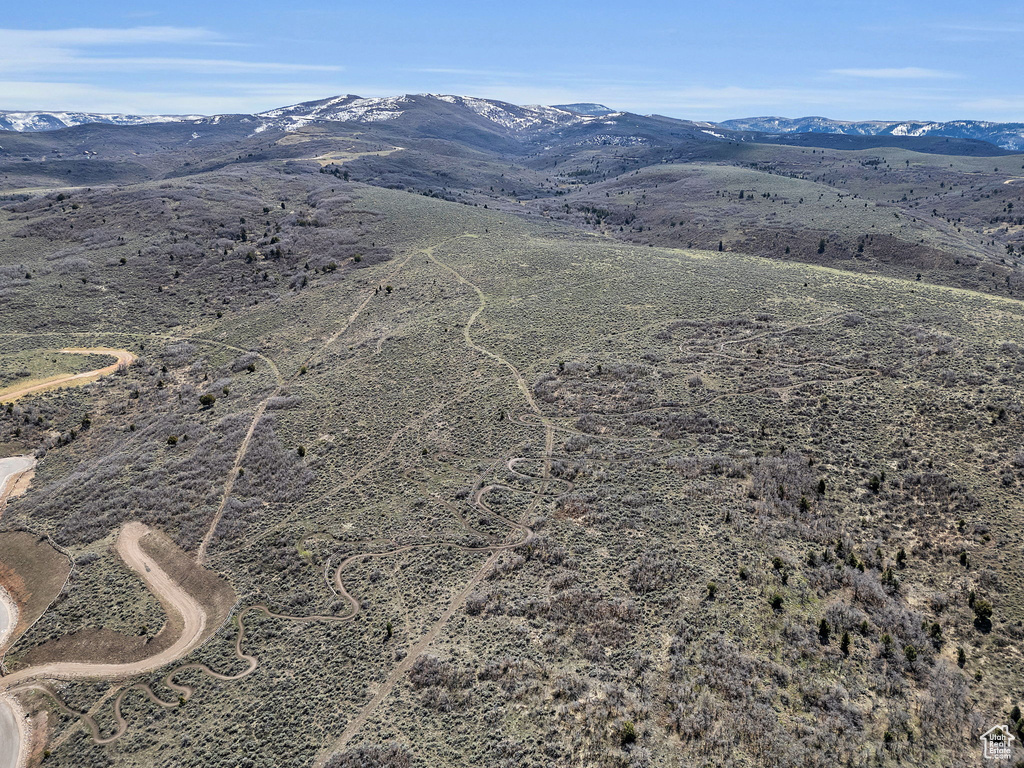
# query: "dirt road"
{"points": [[12, 735], [174, 599], [399, 672], [261, 408], [11, 469], [124, 357]]}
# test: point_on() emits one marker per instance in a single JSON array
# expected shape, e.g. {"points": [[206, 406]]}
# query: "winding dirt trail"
{"points": [[402, 668], [520, 381], [185, 691], [171, 595], [124, 357], [193, 616], [174, 599], [262, 407], [13, 730], [428, 637]]}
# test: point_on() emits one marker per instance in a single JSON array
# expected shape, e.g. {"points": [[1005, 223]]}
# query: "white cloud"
{"points": [[1007, 102], [207, 66], [466, 72], [215, 97], [971, 29], [81, 37], [23, 50], [67, 51], [895, 73], [1006, 109]]}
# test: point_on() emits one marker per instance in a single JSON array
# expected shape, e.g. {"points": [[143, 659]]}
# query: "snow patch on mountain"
{"points": [[49, 121], [369, 110], [1006, 135], [339, 109], [586, 108], [610, 140]]}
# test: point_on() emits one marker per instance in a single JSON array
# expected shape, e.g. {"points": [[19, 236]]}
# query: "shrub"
{"points": [[983, 609], [652, 571], [392, 756], [628, 733]]}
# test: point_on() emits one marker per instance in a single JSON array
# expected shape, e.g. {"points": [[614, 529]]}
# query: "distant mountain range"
{"points": [[52, 121], [587, 108], [514, 120], [347, 108], [1006, 135]]}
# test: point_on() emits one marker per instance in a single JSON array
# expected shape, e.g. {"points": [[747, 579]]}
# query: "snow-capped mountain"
{"points": [[512, 120], [361, 110], [1006, 135], [51, 121], [348, 108]]}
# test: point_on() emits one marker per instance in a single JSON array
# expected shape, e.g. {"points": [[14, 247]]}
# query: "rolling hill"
{"points": [[508, 436]]}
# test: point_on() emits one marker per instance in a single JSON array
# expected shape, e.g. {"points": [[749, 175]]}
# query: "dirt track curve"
{"points": [[193, 616], [262, 407], [174, 599], [124, 357], [421, 645]]}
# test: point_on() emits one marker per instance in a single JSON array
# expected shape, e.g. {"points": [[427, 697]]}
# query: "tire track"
{"points": [[262, 407], [400, 671]]}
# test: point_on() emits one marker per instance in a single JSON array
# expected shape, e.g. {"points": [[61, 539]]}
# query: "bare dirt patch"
{"points": [[33, 572]]}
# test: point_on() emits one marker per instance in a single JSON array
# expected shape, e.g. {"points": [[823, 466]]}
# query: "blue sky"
{"points": [[933, 60]]}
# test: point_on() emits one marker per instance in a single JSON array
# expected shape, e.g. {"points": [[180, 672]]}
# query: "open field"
{"points": [[26, 366], [474, 488]]}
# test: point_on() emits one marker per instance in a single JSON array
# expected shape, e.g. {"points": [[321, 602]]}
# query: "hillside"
{"points": [[507, 460]]}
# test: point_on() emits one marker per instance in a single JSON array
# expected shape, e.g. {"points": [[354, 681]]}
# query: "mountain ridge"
{"points": [[516, 120], [1006, 135]]}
